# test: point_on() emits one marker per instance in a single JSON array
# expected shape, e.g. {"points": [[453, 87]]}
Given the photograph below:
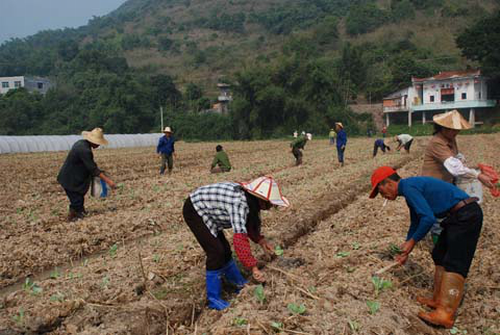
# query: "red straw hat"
{"points": [[267, 189], [378, 175]]}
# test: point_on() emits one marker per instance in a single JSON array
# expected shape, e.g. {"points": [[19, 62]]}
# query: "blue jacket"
{"points": [[166, 145], [427, 198], [341, 138]]}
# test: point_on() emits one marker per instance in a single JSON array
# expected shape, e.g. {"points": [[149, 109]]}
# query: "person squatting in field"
{"points": [[379, 144], [442, 159], [221, 161], [165, 150], [404, 141], [298, 144], [341, 141], [211, 209], [77, 170], [428, 198]]}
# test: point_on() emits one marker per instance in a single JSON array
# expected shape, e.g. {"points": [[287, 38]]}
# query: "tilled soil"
{"points": [[132, 266]]}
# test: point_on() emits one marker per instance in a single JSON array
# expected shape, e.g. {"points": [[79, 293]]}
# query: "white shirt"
{"points": [[404, 138]]}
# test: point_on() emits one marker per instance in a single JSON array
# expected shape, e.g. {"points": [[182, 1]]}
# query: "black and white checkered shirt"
{"points": [[221, 206]]}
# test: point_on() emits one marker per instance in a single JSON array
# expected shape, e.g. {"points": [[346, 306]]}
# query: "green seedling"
{"points": [[156, 258], [356, 246], [278, 326], [105, 282], [55, 274], [374, 306], [342, 254], [394, 250], [259, 293], [31, 287], [278, 251], [58, 297], [297, 309], [19, 318], [380, 284], [240, 321], [113, 249], [456, 330], [354, 326]]}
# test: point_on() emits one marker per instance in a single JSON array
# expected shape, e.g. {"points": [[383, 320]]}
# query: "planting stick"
{"points": [[306, 292], [388, 267], [283, 272]]}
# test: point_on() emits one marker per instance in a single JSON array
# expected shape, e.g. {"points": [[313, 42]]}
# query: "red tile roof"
{"points": [[449, 75]]}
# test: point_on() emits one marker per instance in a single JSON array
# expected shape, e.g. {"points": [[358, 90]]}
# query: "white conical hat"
{"points": [[452, 120], [167, 130], [267, 189], [95, 136]]}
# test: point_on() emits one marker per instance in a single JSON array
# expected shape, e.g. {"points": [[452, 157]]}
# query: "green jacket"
{"points": [[299, 143], [222, 160]]}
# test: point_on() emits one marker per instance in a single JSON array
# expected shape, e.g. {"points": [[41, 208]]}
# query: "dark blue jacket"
{"points": [[427, 199], [166, 145], [341, 138]]}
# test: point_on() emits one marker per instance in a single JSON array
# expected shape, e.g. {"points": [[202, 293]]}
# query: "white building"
{"points": [[462, 90], [32, 84]]}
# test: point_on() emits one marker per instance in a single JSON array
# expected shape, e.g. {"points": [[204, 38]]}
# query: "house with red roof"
{"points": [[465, 91]]}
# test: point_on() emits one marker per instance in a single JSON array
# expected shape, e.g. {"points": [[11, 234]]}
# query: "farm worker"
{"points": [[442, 159], [211, 209], [296, 145], [332, 135], [428, 198], [404, 141], [379, 144], [341, 141], [221, 161], [77, 170], [165, 150], [295, 134], [384, 131]]}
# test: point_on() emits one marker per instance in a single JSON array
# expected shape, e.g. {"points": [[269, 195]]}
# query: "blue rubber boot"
{"points": [[214, 289], [233, 275]]}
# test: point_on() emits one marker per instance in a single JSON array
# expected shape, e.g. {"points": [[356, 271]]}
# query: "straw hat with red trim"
{"points": [[266, 188], [95, 136], [379, 175], [451, 120]]}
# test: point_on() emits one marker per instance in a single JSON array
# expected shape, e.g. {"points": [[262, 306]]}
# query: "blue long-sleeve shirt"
{"points": [[166, 145], [341, 138], [427, 198]]}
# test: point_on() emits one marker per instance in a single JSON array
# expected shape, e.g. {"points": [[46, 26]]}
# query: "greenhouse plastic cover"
{"points": [[14, 144]]}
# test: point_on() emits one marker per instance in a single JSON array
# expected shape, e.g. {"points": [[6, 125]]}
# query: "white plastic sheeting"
{"points": [[14, 144]]}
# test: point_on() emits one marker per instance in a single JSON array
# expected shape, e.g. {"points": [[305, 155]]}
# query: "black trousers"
{"points": [[217, 248], [376, 147], [76, 201], [457, 243], [298, 155]]}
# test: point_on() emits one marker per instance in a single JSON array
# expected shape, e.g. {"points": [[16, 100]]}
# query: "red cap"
{"points": [[378, 175]]}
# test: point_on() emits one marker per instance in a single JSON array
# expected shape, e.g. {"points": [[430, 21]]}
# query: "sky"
{"points": [[21, 18]]}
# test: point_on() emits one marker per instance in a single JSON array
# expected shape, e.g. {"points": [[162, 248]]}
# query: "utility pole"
{"points": [[161, 115]]}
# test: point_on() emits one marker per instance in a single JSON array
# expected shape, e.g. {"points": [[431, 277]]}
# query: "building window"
{"points": [[40, 86], [5, 84], [17, 84], [431, 98], [464, 96]]}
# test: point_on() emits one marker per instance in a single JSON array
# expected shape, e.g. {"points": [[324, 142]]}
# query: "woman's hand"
{"points": [[258, 275], [266, 246], [485, 180]]}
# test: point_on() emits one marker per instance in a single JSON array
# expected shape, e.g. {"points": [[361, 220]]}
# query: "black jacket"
{"points": [[76, 172]]}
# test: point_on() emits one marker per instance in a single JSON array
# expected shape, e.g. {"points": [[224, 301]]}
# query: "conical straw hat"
{"points": [[452, 120], [167, 130], [95, 136], [267, 189]]}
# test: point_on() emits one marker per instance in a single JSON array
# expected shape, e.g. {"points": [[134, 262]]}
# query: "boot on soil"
{"points": [[233, 275], [450, 295], [214, 290], [438, 276], [74, 216]]}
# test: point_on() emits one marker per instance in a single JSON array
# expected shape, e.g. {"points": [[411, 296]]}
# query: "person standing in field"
{"points": [[442, 159], [332, 135], [404, 141], [78, 169], [298, 144], [379, 144], [166, 150], [428, 198], [221, 161], [341, 142], [384, 131], [211, 209]]}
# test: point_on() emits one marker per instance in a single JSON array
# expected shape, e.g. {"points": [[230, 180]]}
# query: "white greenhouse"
{"points": [[14, 144]]}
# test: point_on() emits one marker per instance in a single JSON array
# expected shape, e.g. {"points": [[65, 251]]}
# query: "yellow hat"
{"points": [[95, 136], [451, 120], [266, 188]]}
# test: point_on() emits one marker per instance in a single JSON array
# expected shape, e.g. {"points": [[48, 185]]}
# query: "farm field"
{"points": [[133, 267]]}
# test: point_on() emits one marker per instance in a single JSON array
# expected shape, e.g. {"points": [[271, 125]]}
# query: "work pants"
{"points": [[166, 160], [340, 154], [297, 153], [76, 201]]}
